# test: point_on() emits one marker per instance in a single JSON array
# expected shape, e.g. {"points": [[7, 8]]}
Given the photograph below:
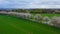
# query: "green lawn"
{"points": [[13, 25], [50, 15]]}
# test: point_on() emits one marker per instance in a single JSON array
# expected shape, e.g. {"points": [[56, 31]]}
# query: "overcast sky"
{"points": [[29, 3]]}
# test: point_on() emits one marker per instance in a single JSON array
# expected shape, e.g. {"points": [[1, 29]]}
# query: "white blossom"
{"points": [[38, 17], [56, 21], [46, 20]]}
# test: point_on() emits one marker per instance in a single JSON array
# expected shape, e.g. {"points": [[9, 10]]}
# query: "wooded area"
{"points": [[37, 10], [47, 11]]}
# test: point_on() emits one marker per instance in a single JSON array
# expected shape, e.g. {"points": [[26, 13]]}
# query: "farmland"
{"points": [[13, 25]]}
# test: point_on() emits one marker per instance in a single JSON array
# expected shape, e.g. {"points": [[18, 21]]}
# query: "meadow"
{"points": [[14, 25]]}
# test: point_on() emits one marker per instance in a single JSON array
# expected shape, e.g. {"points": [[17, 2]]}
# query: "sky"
{"points": [[29, 3]]}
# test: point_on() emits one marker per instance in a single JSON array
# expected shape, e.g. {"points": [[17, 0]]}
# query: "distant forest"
{"points": [[35, 10]]}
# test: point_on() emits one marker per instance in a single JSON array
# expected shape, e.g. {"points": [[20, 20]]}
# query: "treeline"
{"points": [[36, 10], [29, 10]]}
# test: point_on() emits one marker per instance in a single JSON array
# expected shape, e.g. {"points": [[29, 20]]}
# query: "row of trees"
{"points": [[36, 10], [54, 21]]}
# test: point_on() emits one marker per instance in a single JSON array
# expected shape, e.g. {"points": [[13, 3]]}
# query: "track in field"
{"points": [[13, 25]]}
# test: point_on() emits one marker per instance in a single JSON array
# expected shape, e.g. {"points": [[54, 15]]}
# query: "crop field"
{"points": [[13, 25]]}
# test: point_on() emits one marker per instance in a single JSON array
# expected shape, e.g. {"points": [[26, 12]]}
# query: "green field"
{"points": [[13, 25]]}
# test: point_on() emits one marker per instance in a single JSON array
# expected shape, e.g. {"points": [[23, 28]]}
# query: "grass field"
{"points": [[13, 25]]}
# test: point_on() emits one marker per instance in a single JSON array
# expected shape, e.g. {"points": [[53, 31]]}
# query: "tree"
{"points": [[56, 22], [46, 20], [38, 17]]}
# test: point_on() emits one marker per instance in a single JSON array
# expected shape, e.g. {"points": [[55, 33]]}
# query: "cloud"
{"points": [[29, 3], [44, 4]]}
